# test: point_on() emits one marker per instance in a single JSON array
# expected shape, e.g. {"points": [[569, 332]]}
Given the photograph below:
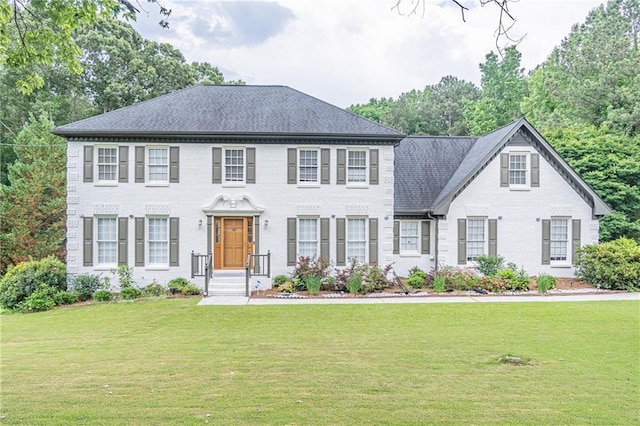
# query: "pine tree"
{"points": [[33, 205]]}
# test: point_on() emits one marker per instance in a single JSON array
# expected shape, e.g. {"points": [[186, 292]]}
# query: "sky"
{"points": [[348, 51]]}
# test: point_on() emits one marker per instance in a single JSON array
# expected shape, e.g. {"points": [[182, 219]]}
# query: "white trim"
{"points": [[367, 159], [106, 182], [234, 183], [308, 184], [147, 166]]}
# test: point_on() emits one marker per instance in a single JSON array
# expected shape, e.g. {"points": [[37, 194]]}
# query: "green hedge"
{"points": [[613, 265]]}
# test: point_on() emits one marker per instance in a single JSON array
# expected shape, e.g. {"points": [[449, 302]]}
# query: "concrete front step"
{"points": [[227, 287]]}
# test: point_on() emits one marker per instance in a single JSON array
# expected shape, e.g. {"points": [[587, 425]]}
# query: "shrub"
{"points": [[329, 283], [42, 299], [129, 293], [310, 266], [154, 290], [374, 278], [439, 283], [461, 279], [65, 298], [489, 265], [546, 282], [417, 278], [286, 287], [22, 280], [613, 265], [103, 296], [125, 276], [191, 290], [511, 279], [177, 284], [84, 285], [354, 283], [313, 283], [278, 280]]}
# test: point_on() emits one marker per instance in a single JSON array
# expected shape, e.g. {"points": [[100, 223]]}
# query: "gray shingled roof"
{"points": [[230, 111], [423, 167], [430, 171]]}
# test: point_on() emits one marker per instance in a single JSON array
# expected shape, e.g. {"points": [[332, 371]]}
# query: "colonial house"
{"points": [[260, 175]]}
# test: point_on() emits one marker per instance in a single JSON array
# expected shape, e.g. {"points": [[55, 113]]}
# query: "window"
{"points": [[308, 237], [475, 238], [107, 164], [409, 237], [107, 241], [356, 166], [308, 166], [559, 239], [158, 164], [234, 165], [356, 239], [158, 241], [518, 169]]}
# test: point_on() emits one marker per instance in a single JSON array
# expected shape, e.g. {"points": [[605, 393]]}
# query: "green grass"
{"points": [[171, 362]]}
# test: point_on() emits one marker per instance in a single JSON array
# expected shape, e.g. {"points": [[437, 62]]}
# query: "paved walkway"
{"points": [[584, 297]]}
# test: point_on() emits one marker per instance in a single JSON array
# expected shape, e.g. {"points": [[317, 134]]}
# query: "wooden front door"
{"points": [[233, 237]]}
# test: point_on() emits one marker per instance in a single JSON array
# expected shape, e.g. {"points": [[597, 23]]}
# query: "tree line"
{"points": [[584, 99]]}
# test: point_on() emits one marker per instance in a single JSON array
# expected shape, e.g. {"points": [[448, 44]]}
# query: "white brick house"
{"points": [[232, 170]]}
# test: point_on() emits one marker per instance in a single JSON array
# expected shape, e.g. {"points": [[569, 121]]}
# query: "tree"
{"points": [[41, 32], [33, 207], [592, 77], [503, 88]]}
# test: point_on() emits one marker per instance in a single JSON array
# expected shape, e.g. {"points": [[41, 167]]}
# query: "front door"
{"points": [[233, 240]]}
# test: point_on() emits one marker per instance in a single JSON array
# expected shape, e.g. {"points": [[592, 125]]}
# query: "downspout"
{"points": [[435, 219]]}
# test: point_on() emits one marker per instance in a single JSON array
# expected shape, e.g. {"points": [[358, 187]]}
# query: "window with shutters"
{"points": [[107, 164], [409, 237], [356, 166], [158, 165], [107, 241], [158, 241], [476, 238], [308, 237], [308, 166], [234, 165], [559, 241], [518, 170], [356, 240]]}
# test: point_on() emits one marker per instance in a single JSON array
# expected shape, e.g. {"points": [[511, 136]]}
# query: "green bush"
{"points": [[154, 290], [313, 283], [510, 279], [417, 278], [22, 280], [190, 290], [130, 293], [354, 283], [84, 285], [374, 278], [65, 298], [177, 284], [546, 282], [614, 265], [489, 265], [103, 296], [42, 299], [286, 287], [278, 280], [125, 276], [439, 283]]}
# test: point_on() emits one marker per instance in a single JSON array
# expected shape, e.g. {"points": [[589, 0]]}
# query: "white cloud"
{"points": [[348, 51]]}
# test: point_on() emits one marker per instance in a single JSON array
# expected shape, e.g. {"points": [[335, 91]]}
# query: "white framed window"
{"points": [[357, 166], [107, 164], [107, 240], [559, 242], [308, 166], [158, 243], [518, 169], [308, 237], [158, 164], [234, 165], [409, 237], [356, 240], [476, 238]]}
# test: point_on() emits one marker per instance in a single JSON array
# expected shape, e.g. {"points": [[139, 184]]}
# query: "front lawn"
{"points": [[172, 362]]}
